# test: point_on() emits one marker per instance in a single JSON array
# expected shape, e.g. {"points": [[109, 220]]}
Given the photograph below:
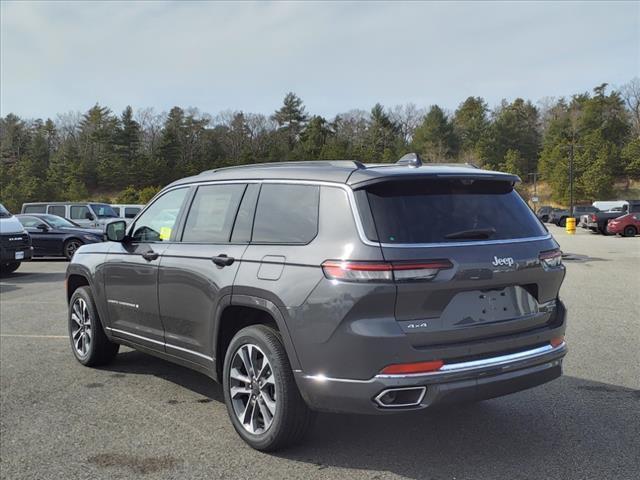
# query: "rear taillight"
{"points": [[383, 271], [551, 258], [556, 341], [593, 218]]}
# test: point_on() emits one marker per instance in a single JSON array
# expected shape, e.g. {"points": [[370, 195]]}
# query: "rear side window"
{"points": [[286, 214], [212, 213], [30, 222], [59, 210], [35, 209], [80, 212], [442, 211], [129, 212]]}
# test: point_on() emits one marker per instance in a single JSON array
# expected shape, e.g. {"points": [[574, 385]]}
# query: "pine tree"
{"points": [[435, 139], [291, 118]]}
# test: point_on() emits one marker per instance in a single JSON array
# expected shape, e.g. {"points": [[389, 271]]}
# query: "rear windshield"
{"points": [[443, 211]]}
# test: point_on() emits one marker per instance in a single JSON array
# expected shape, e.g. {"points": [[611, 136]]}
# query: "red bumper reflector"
{"points": [[418, 367], [556, 341]]}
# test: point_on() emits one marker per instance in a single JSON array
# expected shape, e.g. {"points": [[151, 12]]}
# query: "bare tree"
{"points": [[68, 124], [407, 117], [631, 95], [151, 125]]}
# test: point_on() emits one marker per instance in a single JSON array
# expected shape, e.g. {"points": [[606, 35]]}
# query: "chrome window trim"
{"points": [[356, 215], [157, 342]]}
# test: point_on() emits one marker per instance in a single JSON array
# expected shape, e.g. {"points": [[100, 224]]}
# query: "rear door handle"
{"points": [[223, 260], [150, 255]]}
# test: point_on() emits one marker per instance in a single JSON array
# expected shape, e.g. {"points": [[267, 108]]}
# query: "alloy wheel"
{"points": [[252, 388], [70, 248], [81, 334]]}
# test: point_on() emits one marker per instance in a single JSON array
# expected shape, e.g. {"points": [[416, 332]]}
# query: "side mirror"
{"points": [[116, 231], [43, 227], [88, 216]]}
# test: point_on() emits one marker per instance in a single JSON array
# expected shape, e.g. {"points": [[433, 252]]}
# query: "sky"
{"points": [[58, 57]]}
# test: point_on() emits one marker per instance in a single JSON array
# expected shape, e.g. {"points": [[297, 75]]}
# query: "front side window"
{"points": [[4, 213], [102, 210], [157, 222], [57, 210], [212, 213], [80, 212], [116, 210], [286, 214], [130, 212]]}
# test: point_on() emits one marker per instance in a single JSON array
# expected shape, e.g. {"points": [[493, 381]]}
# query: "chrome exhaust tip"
{"points": [[400, 397]]}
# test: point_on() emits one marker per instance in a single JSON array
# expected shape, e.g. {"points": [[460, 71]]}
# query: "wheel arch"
{"points": [[79, 276], [241, 311]]}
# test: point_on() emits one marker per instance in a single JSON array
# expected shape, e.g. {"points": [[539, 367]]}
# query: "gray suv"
{"points": [[329, 286]]}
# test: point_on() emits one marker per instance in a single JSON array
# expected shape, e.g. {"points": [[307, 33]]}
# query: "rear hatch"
{"points": [[495, 269]]}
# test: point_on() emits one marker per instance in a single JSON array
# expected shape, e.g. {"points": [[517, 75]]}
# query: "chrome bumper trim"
{"points": [[452, 371]]}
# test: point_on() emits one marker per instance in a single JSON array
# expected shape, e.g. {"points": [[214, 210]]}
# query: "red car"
{"points": [[627, 225]]}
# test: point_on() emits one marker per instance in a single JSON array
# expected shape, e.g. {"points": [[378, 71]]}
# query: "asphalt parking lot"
{"points": [[141, 416]]}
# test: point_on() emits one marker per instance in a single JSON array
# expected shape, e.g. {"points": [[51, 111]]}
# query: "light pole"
{"points": [[572, 146], [535, 190]]}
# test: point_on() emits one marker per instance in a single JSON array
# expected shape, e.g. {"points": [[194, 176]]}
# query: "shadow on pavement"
{"points": [[33, 277], [570, 428]]}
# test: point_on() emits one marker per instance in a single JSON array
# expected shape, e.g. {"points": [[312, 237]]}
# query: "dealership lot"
{"points": [[144, 416]]}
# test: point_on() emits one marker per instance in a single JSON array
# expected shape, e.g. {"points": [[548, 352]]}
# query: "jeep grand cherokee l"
{"points": [[332, 286]]}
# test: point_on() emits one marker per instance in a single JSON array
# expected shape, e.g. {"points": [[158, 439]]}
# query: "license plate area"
{"points": [[19, 255], [478, 308]]}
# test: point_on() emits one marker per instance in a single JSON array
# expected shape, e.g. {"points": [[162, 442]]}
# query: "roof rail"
{"points": [[309, 163], [410, 160]]}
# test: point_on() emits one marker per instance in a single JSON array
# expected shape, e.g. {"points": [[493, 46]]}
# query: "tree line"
{"points": [[104, 156]]}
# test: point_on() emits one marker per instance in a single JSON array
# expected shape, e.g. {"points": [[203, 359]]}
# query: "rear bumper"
{"points": [[457, 382], [8, 255]]}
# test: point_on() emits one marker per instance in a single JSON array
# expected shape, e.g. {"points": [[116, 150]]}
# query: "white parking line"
{"points": [[25, 335]]}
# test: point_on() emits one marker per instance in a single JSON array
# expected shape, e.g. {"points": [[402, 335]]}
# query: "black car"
{"points": [[559, 216], [543, 213], [56, 236]]}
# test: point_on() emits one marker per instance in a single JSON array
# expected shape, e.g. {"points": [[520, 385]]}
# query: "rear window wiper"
{"points": [[473, 233]]}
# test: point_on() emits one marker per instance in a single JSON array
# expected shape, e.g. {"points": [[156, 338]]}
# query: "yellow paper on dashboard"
{"points": [[165, 233]]}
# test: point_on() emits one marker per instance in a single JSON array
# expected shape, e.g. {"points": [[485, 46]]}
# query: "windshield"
{"points": [[59, 222], [102, 210], [441, 211], [4, 213]]}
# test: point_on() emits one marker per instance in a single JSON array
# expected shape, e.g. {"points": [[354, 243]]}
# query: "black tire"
{"points": [[70, 247], [603, 229], [292, 418], [99, 350], [544, 218], [9, 267], [630, 231]]}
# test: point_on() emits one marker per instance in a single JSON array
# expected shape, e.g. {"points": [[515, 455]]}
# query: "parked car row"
{"points": [[23, 237], [52, 235], [619, 217], [84, 214]]}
